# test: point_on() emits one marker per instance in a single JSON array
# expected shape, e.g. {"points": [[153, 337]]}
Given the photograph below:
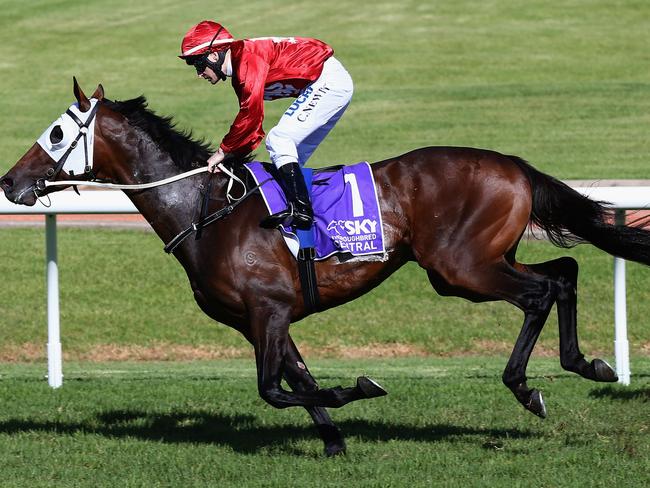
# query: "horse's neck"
{"points": [[170, 208]]}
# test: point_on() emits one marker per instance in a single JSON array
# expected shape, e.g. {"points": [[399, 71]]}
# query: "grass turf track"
{"points": [[446, 422]]}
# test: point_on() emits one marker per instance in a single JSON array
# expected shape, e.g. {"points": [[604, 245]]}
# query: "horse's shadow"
{"points": [[624, 394], [244, 434]]}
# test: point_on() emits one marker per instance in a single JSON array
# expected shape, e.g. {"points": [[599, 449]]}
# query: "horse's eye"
{"points": [[56, 135]]}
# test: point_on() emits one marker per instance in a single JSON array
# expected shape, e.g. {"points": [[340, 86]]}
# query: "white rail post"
{"points": [[54, 353], [621, 344]]}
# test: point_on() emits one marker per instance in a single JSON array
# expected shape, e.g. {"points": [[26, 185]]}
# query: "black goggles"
{"points": [[199, 62]]}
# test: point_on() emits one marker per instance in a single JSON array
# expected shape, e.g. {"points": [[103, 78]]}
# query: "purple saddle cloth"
{"points": [[346, 210]]}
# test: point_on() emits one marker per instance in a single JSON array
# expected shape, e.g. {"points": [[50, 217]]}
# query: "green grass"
{"points": [[563, 84], [118, 287], [446, 422]]}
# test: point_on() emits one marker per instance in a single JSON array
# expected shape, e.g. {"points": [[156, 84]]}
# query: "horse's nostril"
{"points": [[6, 183]]}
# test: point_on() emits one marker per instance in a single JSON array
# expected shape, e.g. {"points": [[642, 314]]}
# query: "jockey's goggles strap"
{"points": [[202, 62]]}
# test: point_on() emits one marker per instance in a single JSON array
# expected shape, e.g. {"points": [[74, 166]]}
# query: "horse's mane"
{"points": [[186, 153]]}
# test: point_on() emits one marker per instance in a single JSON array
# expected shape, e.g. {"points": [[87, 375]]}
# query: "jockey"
{"points": [[269, 68]]}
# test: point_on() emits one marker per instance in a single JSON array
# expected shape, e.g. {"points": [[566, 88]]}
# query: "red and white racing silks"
{"points": [[268, 69]]}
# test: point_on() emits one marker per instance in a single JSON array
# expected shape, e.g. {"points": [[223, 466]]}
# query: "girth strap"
{"points": [[308, 281], [204, 207], [306, 256]]}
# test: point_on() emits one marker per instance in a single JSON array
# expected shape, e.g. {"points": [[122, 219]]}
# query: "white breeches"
{"points": [[311, 116]]}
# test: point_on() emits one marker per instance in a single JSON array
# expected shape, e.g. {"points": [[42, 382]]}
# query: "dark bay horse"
{"points": [[458, 212]]}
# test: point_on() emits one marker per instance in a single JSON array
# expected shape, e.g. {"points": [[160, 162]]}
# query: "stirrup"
{"points": [[283, 217], [288, 217], [302, 221]]}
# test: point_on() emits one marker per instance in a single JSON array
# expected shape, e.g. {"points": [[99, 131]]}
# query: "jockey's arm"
{"points": [[215, 159], [246, 131]]}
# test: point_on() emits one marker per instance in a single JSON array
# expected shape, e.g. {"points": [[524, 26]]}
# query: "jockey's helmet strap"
{"points": [[217, 65]]}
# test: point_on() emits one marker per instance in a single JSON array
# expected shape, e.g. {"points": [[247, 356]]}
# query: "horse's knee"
{"points": [[272, 396]]}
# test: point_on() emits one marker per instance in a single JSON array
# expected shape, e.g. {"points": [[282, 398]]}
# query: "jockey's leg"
{"points": [[299, 212], [299, 132]]}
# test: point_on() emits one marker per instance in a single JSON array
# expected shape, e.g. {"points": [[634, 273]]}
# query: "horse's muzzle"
{"points": [[20, 196]]}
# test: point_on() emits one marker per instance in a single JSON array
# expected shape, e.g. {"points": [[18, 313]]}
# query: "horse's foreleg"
{"points": [[299, 378], [271, 341], [565, 272]]}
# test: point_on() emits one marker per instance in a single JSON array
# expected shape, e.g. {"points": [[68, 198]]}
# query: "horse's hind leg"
{"points": [[565, 272], [533, 294], [299, 378], [536, 299]]}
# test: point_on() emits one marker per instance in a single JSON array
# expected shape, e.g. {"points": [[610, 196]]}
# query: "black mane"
{"points": [[185, 152]]}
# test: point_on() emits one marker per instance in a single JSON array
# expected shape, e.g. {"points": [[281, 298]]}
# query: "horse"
{"points": [[460, 213]]}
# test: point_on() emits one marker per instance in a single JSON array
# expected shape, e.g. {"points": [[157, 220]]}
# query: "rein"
{"points": [[116, 186], [154, 184]]}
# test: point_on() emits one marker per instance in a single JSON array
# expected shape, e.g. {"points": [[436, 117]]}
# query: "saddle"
{"points": [[347, 221]]}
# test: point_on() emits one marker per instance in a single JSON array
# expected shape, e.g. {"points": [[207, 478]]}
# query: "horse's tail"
{"points": [[569, 218]]}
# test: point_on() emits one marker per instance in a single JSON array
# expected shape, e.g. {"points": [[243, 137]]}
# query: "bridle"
{"points": [[84, 121], [61, 155]]}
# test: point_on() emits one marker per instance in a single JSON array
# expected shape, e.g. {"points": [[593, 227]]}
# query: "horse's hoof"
{"points": [[603, 371], [335, 449], [370, 388], [536, 404], [334, 441]]}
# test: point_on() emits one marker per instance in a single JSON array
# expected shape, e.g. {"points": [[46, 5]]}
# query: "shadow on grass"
{"points": [[619, 393], [243, 433]]}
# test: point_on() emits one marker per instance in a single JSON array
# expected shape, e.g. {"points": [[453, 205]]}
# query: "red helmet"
{"points": [[206, 36]]}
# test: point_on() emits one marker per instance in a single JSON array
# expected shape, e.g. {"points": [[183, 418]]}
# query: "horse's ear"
{"points": [[99, 93], [84, 103]]}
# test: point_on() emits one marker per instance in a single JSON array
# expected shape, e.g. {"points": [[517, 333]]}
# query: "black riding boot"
{"points": [[299, 212]]}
